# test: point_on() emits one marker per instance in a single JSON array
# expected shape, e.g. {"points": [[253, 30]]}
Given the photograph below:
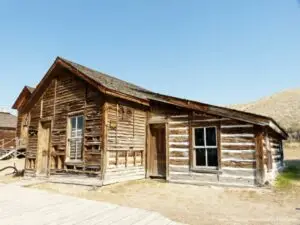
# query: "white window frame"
{"points": [[76, 137], [204, 147]]}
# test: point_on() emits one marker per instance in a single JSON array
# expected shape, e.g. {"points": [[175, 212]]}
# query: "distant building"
{"points": [[8, 125]]}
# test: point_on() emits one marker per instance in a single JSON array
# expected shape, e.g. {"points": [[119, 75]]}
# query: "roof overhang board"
{"points": [[228, 113], [208, 110], [278, 129]]}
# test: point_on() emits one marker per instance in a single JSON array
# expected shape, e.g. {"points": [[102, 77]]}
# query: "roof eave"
{"points": [[17, 102]]}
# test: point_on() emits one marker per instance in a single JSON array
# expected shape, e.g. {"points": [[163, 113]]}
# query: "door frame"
{"points": [[38, 157], [148, 152]]}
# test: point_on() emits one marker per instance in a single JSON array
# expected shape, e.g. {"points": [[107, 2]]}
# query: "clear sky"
{"points": [[215, 51]]}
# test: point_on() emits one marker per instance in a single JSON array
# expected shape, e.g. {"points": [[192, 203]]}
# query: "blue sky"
{"points": [[215, 51]]}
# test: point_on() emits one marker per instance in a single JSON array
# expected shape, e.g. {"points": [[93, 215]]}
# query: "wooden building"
{"points": [[86, 124], [23, 119], [8, 123]]}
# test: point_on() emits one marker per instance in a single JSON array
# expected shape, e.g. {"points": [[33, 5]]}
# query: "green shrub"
{"points": [[288, 176]]}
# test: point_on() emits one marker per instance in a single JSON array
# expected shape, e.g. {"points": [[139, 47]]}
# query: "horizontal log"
{"points": [[237, 139], [179, 154], [238, 144], [179, 149], [178, 131], [178, 168], [242, 155], [239, 164], [179, 125], [178, 139], [175, 145], [183, 161], [238, 147]]}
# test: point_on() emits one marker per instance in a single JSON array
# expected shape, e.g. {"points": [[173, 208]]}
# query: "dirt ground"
{"points": [[5, 176], [194, 204]]}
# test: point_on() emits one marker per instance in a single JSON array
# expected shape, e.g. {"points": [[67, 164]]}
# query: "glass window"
{"points": [[199, 136], [211, 139], [200, 157], [76, 138], [205, 147], [212, 157]]}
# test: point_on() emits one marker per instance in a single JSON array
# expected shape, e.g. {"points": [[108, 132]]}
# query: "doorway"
{"points": [[157, 153], [43, 148]]}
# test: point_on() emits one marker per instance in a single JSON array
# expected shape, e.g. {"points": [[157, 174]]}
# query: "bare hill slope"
{"points": [[284, 107]]}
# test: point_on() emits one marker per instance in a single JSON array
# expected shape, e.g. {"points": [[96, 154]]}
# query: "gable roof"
{"points": [[122, 89], [20, 101], [7, 120]]}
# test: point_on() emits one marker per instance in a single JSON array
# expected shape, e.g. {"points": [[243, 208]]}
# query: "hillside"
{"points": [[284, 107]]}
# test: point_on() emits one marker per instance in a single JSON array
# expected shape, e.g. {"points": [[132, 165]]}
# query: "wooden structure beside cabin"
{"points": [[82, 123], [8, 123]]}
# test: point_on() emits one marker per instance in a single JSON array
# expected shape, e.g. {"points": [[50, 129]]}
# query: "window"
{"points": [[205, 150], [76, 137]]}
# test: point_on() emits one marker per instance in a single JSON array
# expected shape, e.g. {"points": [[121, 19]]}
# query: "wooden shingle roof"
{"points": [[113, 86]]}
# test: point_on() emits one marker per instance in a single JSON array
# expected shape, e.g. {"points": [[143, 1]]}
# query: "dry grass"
{"points": [[292, 150], [284, 107]]}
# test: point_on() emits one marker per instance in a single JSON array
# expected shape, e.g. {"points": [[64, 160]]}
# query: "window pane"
{"points": [[199, 137], [79, 126], [212, 157], [80, 122], [73, 127], [73, 123], [211, 139], [200, 157]]}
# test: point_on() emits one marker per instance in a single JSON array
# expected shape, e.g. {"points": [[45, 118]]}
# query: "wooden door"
{"points": [[43, 148], [157, 150]]}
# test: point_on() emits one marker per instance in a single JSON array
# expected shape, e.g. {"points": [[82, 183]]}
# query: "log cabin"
{"points": [[8, 123], [88, 127]]}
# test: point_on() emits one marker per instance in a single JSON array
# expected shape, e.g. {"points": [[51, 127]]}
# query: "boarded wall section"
{"points": [[126, 141]]}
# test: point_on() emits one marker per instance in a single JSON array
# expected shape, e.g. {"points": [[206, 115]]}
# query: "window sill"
{"points": [[208, 170]]}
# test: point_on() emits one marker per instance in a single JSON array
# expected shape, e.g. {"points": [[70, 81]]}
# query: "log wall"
{"points": [[273, 155], [66, 96], [236, 149], [126, 141]]}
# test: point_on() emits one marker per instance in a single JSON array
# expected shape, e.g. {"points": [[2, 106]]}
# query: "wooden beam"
{"points": [[117, 158], [104, 139], [219, 145], [191, 156], [126, 158], [167, 150], [259, 155], [147, 152]]}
